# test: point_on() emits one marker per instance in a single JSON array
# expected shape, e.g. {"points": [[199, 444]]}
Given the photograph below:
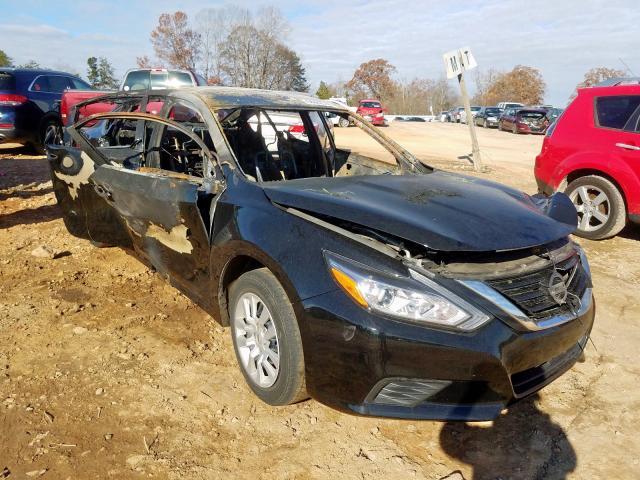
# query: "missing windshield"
{"points": [[282, 145]]}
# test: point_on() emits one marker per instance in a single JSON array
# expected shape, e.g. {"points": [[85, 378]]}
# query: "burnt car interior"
{"points": [[286, 145], [274, 145]]}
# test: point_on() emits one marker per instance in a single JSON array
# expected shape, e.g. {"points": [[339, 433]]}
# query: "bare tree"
{"points": [[144, 62], [421, 95], [254, 55], [175, 42], [214, 26], [599, 74], [484, 80]]}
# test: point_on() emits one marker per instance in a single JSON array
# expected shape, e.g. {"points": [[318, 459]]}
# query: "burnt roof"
{"points": [[234, 97]]}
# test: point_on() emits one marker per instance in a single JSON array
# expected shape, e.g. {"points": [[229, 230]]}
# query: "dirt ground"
{"points": [[107, 372]]}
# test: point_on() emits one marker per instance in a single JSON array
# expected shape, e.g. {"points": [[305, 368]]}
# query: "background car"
{"points": [[506, 105], [487, 117], [29, 104], [456, 114], [592, 153], [463, 114], [444, 116], [160, 78], [372, 110], [553, 114], [524, 120]]}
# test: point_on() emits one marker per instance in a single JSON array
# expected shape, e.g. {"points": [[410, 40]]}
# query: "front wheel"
{"points": [[600, 205], [266, 338]]}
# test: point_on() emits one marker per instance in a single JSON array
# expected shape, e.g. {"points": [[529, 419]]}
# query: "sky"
{"points": [[562, 38]]}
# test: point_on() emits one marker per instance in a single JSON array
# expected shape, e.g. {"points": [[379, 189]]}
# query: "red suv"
{"points": [[372, 110], [592, 153]]}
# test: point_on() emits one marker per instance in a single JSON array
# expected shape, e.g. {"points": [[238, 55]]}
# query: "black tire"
{"points": [[289, 387], [615, 207], [50, 127]]}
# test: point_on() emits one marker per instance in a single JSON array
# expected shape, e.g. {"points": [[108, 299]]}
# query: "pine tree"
{"points": [[323, 91]]}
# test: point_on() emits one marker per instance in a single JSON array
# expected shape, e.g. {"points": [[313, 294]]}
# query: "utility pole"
{"points": [[475, 149]]}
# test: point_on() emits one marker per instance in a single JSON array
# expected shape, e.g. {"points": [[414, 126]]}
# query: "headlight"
{"points": [[415, 297]]}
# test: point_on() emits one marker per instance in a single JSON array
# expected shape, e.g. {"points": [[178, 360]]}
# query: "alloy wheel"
{"points": [[593, 206], [256, 340]]}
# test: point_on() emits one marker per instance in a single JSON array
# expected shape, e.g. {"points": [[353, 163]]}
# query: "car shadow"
{"points": [[46, 213], [524, 443], [631, 232]]}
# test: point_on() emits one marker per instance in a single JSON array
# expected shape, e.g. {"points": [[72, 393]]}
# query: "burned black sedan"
{"points": [[347, 270]]}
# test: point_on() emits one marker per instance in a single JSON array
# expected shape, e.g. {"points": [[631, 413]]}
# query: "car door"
{"points": [[626, 142], [163, 215]]}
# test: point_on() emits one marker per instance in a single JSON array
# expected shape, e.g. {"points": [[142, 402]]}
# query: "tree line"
{"points": [[230, 46]]}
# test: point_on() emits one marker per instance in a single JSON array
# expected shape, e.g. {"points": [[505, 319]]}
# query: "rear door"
{"points": [[164, 213], [618, 120]]}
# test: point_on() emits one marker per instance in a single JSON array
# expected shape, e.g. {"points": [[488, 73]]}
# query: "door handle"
{"points": [[626, 146]]}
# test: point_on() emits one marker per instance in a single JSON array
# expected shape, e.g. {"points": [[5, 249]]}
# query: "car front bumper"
{"points": [[363, 364]]}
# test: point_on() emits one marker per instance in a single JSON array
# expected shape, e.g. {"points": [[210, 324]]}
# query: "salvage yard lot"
{"points": [[108, 372]]}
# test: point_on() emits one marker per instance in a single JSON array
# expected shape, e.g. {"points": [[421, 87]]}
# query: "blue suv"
{"points": [[29, 104]]}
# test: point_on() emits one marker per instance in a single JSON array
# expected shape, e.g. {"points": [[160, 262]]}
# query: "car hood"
{"points": [[440, 210], [369, 110]]}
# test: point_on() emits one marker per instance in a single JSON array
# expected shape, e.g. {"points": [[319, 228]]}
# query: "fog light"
{"points": [[409, 393]]}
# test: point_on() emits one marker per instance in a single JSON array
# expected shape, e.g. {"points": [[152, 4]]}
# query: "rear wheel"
{"points": [[600, 205], [266, 338]]}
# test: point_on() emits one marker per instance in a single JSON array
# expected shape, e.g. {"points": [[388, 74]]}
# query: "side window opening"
{"points": [[275, 145], [177, 151], [116, 139]]}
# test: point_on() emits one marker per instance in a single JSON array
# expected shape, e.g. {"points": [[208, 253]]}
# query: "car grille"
{"points": [[532, 293]]}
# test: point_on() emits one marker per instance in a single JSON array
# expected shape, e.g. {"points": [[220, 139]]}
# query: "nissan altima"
{"points": [[345, 269]]}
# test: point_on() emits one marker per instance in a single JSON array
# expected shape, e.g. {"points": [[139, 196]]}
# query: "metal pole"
{"points": [[475, 149]]}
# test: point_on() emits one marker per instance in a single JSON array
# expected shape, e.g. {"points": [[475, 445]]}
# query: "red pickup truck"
{"points": [[135, 79]]}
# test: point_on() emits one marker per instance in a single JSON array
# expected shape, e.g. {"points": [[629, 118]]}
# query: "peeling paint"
{"points": [[176, 239], [80, 178]]}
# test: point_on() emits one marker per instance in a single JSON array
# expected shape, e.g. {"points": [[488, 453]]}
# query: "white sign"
{"points": [[458, 61]]}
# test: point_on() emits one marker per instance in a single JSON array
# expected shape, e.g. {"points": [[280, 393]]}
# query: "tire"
{"points": [[343, 122], [606, 215], [278, 335], [51, 128]]}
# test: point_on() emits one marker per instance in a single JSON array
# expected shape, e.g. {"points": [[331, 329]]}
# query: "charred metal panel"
{"points": [[85, 212], [164, 219]]}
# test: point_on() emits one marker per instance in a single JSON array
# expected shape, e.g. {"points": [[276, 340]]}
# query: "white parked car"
{"points": [[463, 114]]}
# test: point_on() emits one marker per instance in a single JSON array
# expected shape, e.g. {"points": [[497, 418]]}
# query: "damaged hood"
{"points": [[440, 210]]}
